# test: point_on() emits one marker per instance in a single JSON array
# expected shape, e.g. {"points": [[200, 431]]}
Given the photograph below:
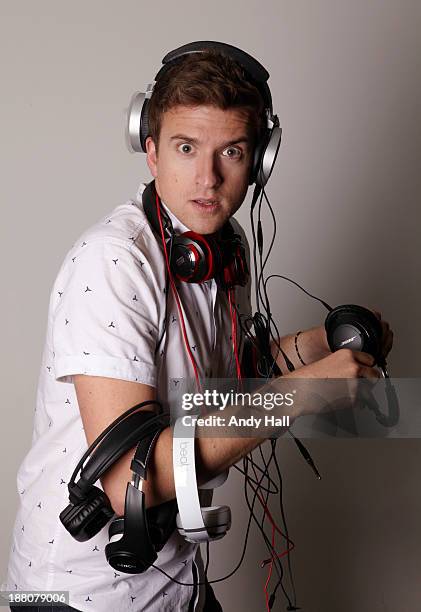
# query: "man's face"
{"points": [[205, 153]]}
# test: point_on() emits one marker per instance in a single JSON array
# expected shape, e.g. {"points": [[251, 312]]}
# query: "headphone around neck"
{"points": [[193, 257]]}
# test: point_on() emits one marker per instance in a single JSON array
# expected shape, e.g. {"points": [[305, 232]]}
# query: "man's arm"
{"points": [[101, 400], [312, 346]]}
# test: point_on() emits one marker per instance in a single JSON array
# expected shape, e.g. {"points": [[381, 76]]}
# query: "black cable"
{"points": [[258, 242], [275, 492], [278, 565], [329, 308], [207, 560], [265, 327], [281, 506], [267, 465], [167, 226], [277, 562], [217, 579]]}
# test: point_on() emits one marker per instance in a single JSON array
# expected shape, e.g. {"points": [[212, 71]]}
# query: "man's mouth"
{"points": [[206, 201]]}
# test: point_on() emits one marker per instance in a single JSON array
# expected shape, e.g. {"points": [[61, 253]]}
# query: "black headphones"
{"points": [[266, 149], [144, 532], [354, 327], [195, 258], [357, 328]]}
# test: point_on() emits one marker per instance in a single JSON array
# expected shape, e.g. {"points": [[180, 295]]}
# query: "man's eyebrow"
{"points": [[195, 141]]}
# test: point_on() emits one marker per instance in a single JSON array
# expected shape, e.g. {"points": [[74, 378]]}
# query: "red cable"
{"points": [[270, 573], [234, 333], [268, 514], [177, 299], [274, 526], [273, 554]]}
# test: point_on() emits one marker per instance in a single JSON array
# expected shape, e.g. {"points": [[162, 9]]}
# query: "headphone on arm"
{"points": [[195, 522], [137, 537]]}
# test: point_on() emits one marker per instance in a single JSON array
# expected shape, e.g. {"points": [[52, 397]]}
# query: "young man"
{"points": [[107, 313]]}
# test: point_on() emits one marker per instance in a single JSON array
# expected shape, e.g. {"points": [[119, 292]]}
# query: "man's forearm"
{"points": [[312, 346], [213, 456]]}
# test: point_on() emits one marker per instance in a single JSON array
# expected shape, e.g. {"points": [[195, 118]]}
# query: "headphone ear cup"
{"points": [[217, 520], [134, 123], [134, 552], [86, 519], [265, 154], [195, 258], [236, 272], [352, 326]]}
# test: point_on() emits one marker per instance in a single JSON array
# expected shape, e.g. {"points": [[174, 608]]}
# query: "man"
{"points": [[109, 311]]}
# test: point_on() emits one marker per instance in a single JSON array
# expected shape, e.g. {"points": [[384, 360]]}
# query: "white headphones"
{"points": [[195, 523]]}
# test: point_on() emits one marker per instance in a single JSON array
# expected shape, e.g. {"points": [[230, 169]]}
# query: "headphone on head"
{"points": [[266, 148]]}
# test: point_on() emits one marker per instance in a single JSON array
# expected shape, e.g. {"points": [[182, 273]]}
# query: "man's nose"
{"points": [[208, 172]]}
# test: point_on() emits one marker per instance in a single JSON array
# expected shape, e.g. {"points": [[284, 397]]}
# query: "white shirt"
{"points": [[106, 313]]}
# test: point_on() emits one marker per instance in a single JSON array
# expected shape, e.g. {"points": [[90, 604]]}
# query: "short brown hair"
{"points": [[206, 78]]}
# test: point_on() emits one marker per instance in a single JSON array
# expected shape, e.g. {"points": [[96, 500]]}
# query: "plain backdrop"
{"points": [[345, 81]]}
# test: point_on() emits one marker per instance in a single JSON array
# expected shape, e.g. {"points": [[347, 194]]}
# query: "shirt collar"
{"points": [[176, 223]]}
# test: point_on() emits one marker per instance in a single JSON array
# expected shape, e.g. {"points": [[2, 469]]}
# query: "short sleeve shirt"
{"points": [[108, 309]]}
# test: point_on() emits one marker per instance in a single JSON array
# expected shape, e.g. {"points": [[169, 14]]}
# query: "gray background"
{"points": [[345, 80]]}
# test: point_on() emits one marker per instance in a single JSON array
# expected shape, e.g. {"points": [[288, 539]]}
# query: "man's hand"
{"points": [[333, 382]]}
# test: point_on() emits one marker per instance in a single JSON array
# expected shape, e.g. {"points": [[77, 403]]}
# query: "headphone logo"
{"points": [[347, 341]]}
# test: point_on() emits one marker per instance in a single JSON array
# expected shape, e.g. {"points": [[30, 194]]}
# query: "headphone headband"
{"points": [[256, 73]]}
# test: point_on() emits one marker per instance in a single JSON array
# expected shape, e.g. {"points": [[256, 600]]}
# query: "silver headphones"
{"points": [[266, 149]]}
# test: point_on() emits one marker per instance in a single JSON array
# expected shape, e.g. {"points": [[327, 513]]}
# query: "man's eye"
{"points": [[232, 152], [182, 148]]}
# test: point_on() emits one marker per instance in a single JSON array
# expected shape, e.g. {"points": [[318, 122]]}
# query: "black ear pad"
{"points": [[144, 124], [161, 522], [86, 519], [259, 150], [352, 326]]}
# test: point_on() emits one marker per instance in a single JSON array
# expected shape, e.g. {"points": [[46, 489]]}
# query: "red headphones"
{"points": [[195, 258]]}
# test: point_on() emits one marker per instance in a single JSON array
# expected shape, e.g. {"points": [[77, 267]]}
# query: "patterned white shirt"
{"points": [[106, 312]]}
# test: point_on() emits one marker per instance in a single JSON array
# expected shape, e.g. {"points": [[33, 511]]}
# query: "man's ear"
{"points": [[151, 156]]}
